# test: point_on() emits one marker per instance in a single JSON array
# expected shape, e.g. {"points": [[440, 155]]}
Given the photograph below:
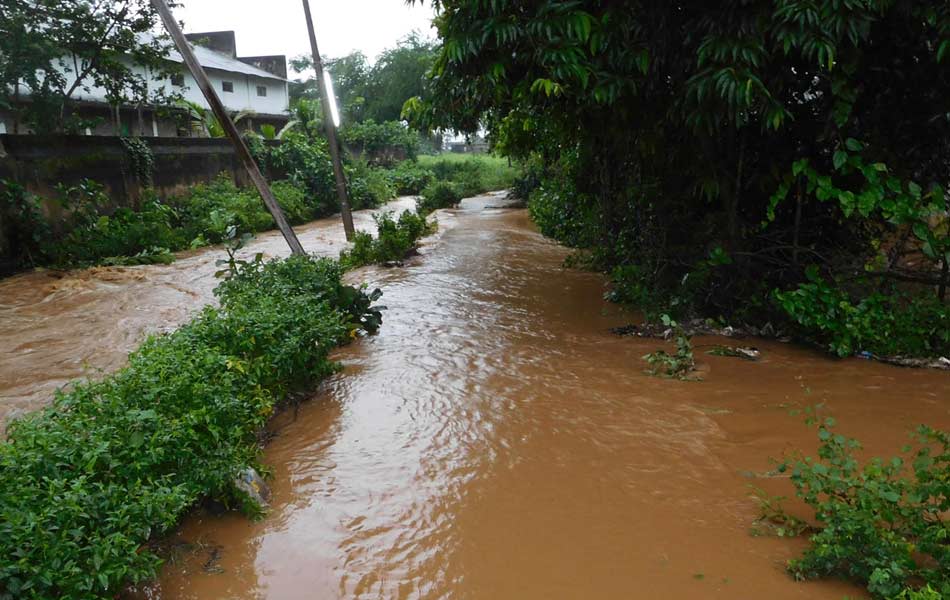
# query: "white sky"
{"points": [[278, 27]]}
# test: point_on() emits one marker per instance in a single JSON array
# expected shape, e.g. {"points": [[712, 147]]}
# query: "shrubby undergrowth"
{"points": [[880, 523], [90, 480]]}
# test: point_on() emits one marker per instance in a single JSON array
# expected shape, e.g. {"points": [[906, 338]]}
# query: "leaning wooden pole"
{"points": [[331, 128], [240, 148]]}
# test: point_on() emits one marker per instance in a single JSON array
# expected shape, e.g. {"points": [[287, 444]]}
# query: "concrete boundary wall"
{"points": [[40, 163]]}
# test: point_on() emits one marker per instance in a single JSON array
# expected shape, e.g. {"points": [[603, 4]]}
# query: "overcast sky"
{"points": [[278, 27]]}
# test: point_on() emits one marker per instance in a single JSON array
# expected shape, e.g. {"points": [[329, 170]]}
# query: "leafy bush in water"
{"points": [[555, 210], [410, 177], [210, 209], [88, 481], [881, 524], [369, 187], [438, 195], [394, 241], [678, 365], [891, 324]]}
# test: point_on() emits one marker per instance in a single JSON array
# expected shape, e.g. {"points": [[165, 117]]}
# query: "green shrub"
{"points": [[306, 163], [381, 142], [293, 201], [211, 209], [438, 195], [395, 240], [472, 174], [675, 366], [555, 209], [410, 178], [369, 186], [88, 481], [95, 237], [885, 324], [881, 524]]}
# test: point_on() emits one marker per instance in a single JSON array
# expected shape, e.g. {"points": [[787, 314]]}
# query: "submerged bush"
{"points": [[126, 236], [881, 524], [88, 481], [395, 240]]}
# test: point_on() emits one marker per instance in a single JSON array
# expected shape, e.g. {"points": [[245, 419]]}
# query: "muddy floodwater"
{"points": [[494, 440], [56, 327]]}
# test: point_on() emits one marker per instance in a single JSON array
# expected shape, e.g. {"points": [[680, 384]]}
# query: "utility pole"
{"points": [[331, 129], [240, 148]]}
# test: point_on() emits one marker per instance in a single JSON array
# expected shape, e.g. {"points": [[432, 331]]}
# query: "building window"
{"points": [[227, 86], [178, 79], [261, 90]]}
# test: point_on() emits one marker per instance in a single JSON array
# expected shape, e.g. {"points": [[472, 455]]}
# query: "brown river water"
{"points": [[494, 440]]}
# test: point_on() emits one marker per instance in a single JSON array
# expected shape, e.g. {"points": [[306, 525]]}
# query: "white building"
{"points": [[256, 84]]}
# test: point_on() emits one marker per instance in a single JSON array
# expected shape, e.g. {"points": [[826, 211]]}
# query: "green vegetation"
{"points": [[381, 141], [411, 178], [678, 365], [719, 160], [439, 194], [394, 241], [94, 233], [471, 174], [111, 464], [881, 524]]}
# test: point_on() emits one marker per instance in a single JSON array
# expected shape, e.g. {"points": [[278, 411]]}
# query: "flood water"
{"points": [[494, 440], [57, 327]]}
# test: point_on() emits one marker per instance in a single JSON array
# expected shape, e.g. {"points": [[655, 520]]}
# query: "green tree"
{"points": [[52, 49], [680, 128], [376, 91]]}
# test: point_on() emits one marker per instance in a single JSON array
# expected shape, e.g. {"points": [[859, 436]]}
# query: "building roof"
{"points": [[211, 59]]}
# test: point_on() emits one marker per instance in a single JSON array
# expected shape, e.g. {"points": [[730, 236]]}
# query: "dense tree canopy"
{"points": [[712, 152], [374, 91]]}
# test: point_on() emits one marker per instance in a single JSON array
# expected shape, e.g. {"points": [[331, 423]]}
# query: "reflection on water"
{"points": [[494, 440]]}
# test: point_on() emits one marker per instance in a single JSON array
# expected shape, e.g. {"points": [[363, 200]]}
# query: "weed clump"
{"points": [[395, 240], [881, 523]]}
